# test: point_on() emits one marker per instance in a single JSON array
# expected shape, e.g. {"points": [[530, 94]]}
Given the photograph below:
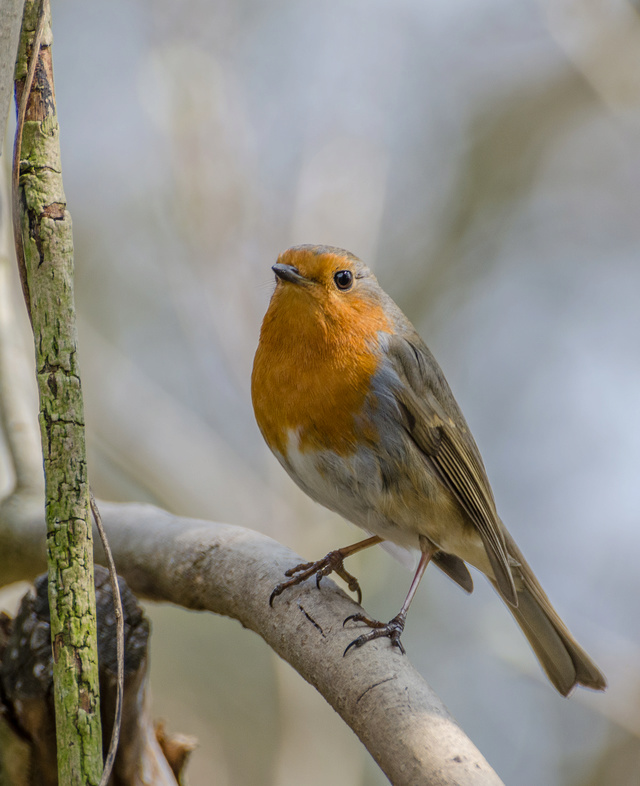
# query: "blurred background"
{"points": [[483, 158]]}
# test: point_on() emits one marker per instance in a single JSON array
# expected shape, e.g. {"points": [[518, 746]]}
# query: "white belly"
{"points": [[355, 487]]}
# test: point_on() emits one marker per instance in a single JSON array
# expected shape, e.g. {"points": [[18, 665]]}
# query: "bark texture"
{"points": [[146, 756], [48, 284]]}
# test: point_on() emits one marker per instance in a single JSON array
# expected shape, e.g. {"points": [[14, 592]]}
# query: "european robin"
{"points": [[358, 412]]}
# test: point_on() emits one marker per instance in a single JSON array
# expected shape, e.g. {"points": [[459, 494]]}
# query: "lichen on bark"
{"points": [[48, 249]]}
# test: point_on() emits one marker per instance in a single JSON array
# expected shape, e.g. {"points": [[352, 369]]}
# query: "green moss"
{"points": [[48, 244]]}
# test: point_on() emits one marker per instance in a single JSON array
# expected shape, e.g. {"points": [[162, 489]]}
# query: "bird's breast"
{"points": [[315, 401], [312, 380]]}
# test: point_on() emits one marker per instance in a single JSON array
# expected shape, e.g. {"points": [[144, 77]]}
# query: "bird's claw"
{"points": [[392, 630], [332, 563], [303, 566], [351, 581], [303, 571]]}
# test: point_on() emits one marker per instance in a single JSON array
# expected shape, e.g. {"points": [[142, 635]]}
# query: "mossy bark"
{"points": [[48, 247]]}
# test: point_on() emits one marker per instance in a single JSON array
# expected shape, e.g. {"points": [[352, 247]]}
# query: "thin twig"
{"points": [[117, 607], [17, 149], [17, 389]]}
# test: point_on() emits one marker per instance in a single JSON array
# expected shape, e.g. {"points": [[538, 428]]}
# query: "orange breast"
{"points": [[312, 371]]}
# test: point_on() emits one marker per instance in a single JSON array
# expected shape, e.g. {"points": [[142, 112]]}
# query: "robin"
{"points": [[358, 412]]}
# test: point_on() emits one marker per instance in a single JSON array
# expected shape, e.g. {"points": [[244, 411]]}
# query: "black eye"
{"points": [[343, 279]]}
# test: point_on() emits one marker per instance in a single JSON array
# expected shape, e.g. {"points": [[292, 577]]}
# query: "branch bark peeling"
{"points": [[48, 283]]}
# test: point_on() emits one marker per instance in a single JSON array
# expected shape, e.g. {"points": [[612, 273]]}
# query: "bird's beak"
{"points": [[288, 273]]}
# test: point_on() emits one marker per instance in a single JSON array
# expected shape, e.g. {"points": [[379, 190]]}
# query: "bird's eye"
{"points": [[343, 279]]}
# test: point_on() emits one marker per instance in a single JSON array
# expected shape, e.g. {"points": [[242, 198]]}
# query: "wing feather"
{"points": [[436, 425]]}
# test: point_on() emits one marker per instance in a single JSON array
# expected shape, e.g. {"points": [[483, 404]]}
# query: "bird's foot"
{"points": [[392, 630], [332, 563]]}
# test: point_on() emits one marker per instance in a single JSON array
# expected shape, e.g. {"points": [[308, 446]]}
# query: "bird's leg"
{"points": [[332, 563], [394, 628]]}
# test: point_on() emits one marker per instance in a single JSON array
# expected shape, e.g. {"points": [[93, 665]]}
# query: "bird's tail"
{"points": [[563, 659]]}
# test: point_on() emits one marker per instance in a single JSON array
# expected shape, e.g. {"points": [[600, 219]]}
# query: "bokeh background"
{"points": [[483, 158]]}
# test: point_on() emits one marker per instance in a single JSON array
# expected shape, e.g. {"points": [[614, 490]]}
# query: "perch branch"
{"points": [[231, 571]]}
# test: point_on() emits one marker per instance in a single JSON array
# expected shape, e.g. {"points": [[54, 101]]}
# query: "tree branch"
{"points": [[44, 250], [18, 401], [231, 571]]}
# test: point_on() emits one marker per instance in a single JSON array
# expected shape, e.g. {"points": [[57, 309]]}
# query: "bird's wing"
{"points": [[433, 419]]}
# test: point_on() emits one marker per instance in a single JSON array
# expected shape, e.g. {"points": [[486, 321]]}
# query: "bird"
{"points": [[358, 412]]}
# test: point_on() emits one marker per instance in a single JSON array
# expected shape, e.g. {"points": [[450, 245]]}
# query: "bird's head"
{"points": [[331, 286]]}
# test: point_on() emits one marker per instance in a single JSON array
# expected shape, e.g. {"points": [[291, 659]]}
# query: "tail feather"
{"points": [[563, 659]]}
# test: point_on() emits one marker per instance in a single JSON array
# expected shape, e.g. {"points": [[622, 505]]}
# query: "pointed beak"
{"points": [[289, 273]]}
